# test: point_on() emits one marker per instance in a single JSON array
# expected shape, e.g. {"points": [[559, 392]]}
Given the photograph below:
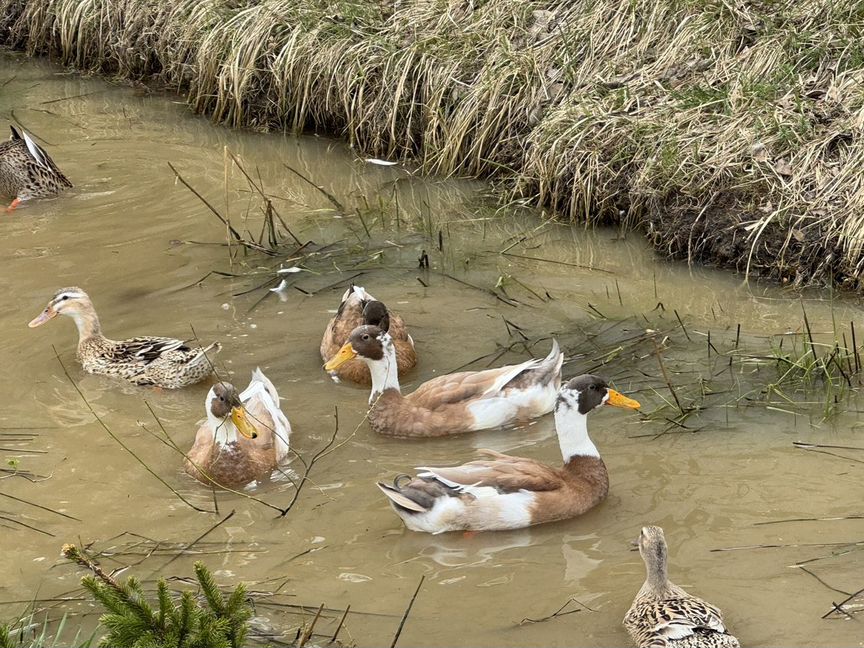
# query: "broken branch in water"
{"points": [[117, 439], [333, 200], [407, 612], [557, 613]]}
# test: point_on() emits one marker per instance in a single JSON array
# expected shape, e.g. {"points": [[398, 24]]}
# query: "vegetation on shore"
{"points": [[729, 132]]}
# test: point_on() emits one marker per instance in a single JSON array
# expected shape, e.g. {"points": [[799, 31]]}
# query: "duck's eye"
{"points": [[64, 298], [365, 336], [593, 387]]}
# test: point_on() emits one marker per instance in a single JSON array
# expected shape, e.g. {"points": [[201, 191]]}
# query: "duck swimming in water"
{"points": [[27, 171]]}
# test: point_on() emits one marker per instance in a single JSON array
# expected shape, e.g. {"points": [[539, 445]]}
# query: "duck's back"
{"points": [[27, 172]]}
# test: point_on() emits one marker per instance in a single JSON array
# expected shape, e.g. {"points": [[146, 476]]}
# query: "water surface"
{"points": [[126, 233]]}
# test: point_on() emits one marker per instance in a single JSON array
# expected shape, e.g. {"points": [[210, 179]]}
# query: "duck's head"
{"points": [[224, 406], [375, 313], [588, 392], [66, 301], [652, 547], [367, 342]]}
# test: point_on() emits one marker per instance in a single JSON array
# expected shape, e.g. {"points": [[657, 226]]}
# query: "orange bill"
{"points": [[342, 356], [238, 415], [616, 399], [47, 314]]}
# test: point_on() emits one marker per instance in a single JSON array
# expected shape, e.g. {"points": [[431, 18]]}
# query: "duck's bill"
{"points": [[241, 421], [617, 399], [344, 354], [47, 314]]}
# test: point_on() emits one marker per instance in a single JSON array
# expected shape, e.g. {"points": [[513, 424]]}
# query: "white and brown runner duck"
{"points": [[454, 403], [504, 492], [244, 438]]}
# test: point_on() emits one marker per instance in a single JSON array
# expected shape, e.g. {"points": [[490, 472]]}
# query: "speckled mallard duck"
{"points": [[663, 614], [358, 307], [27, 171], [244, 438], [163, 362]]}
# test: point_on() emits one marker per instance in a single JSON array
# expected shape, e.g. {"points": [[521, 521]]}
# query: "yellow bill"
{"points": [[47, 314], [617, 399], [238, 415], [342, 356]]}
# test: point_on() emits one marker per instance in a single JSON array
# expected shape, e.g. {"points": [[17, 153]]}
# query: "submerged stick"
{"points": [[407, 612], [333, 200], [117, 439], [666, 376]]}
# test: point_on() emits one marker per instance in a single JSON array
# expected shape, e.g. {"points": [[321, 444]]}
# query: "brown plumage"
{"points": [[244, 438], [358, 307], [664, 614], [504, 492], [455, 403], [27, 171]]}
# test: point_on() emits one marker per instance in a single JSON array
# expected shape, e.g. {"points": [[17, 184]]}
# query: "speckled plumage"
{"points": [[664, 615], [27, 171], [147, 360]]}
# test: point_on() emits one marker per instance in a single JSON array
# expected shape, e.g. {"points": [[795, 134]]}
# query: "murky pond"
{"points": [[144, 246]]}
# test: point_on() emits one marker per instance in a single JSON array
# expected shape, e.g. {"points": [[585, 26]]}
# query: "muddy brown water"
{"points": [[123, 234]]}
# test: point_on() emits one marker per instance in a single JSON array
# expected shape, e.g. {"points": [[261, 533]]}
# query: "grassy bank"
{"points": [[729, 132]]}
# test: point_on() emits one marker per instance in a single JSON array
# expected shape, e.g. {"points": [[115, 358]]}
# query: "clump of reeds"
{"points": [[730, 132]]}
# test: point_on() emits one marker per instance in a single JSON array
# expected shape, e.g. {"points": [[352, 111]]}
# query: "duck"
{"points": [[245, 436], [358, 307], [27, 171], [664, 614], [451, 404], [505, 492], [158, 361]]}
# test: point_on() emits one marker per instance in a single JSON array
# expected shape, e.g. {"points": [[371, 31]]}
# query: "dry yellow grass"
{"points": [[731, 132]]}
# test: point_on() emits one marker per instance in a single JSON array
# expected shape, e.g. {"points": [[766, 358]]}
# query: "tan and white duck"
{"points": [[664, 615], [160, 361], [357, 308], [504, 492], [27, 171], [245, 437], [454, 403]]}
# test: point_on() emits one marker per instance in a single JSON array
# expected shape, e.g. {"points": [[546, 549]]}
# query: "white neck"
{"points": [[224, 431], [385, 374], [572, 427]]}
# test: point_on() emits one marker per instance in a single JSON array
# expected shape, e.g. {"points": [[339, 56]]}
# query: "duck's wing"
{"points": [[469, 385], [40, 157], [145, 350], [262, 400], [502, 472], [673, 618]]}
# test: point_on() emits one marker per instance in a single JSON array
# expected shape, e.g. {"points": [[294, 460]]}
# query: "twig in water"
{"points": [[666, 376], [838, 607], [339, 627], [39, 506], [311, 628], [407, 612], [557, 613], [117, 439], [326, 193], [683, 328]]}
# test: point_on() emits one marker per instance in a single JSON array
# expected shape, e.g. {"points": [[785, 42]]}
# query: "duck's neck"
{"points": [[385, 374], [657, 578], [224, 430], [87, 322], [572, 428]]}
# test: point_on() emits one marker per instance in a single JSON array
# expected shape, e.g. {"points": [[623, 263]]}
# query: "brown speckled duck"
{"points": [[454, 403], [244, 438], [163, 362], [504, 492], [27, 171], [663, 615], [358, 307]]}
